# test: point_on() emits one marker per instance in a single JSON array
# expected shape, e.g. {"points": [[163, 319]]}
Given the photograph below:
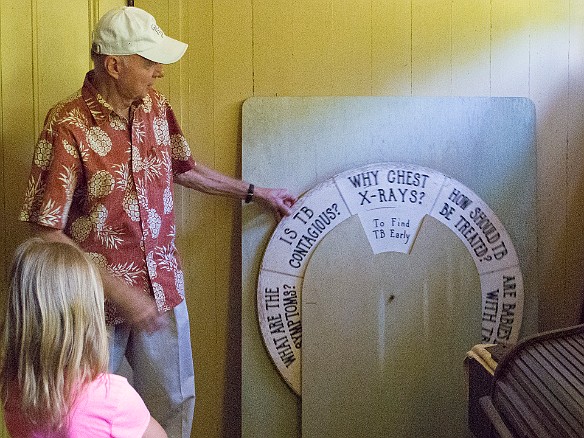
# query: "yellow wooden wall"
{"points": [[243, 48]]}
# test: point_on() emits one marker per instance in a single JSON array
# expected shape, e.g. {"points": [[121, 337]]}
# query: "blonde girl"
{"points": [[53, 367]]}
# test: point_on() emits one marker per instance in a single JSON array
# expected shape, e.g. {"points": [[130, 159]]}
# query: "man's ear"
{"points": [[112, 65]]}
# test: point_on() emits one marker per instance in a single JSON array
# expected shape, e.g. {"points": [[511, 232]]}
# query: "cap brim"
{"points": [[167, 52]]}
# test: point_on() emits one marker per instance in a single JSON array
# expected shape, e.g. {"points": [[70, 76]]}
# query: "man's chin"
{"points": [[141, 97]]}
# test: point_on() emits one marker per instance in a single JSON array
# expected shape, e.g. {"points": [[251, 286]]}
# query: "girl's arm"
{"points": [[154, 430]]}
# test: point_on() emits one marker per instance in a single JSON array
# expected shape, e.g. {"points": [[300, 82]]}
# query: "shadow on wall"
{"points": [[232, 370], [573, 250]]}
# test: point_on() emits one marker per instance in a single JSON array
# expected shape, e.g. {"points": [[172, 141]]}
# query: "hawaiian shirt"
{"points": [[108, 184]]}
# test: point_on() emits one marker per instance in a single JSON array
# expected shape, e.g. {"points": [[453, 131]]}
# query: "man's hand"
{"points": [[207, 180], [279, 201], [143, 314], [137, 308]]}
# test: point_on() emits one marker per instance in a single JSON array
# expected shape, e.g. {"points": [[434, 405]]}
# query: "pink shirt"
{"points": [[109, 407], [108, 184]]}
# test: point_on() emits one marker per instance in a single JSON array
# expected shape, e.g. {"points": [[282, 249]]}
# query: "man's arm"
{"points": [[207, 180], [137, 308]]}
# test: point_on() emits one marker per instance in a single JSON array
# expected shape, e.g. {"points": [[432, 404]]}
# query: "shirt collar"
{"points": [[99, 107]]}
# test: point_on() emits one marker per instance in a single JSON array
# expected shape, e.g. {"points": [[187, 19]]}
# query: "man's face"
{"points": [[137, 76]]}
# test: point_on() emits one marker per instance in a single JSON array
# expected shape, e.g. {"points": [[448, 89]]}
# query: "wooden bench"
{"points": [[537, 389]]}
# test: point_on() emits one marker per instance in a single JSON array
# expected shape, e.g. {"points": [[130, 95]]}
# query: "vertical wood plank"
{"points": [[391, 47], [18, 121], [549, 50], [232, 37], [273, 48], [233, 83], [575, 157], [61, 67], [105, 5], [351, 47], [3, 251], [431, 47], [311, 60], [471, 40], [4, 256], [196, 212], [509, 48]]}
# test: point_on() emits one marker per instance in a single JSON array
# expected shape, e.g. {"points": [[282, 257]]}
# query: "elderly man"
{"points": [[102, 177]]}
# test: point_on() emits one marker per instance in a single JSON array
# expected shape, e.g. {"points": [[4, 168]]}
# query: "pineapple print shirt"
{"points": [[109, 186]]}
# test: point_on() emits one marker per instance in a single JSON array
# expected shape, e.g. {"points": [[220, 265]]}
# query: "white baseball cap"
{"points": [[133, 31]]}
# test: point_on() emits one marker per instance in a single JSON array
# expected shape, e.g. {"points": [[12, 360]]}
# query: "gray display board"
{"points": [[420, 301]]}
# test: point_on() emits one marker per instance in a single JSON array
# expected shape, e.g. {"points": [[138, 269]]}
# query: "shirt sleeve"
{"points": [[55, 170], [132, 416], [182, 159]]}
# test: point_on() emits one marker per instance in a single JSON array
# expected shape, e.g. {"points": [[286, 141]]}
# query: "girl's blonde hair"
{"points": [[54, 338]]}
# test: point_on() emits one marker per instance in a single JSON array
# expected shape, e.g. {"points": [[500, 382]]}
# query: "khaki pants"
{"points": [[161, 369]]}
